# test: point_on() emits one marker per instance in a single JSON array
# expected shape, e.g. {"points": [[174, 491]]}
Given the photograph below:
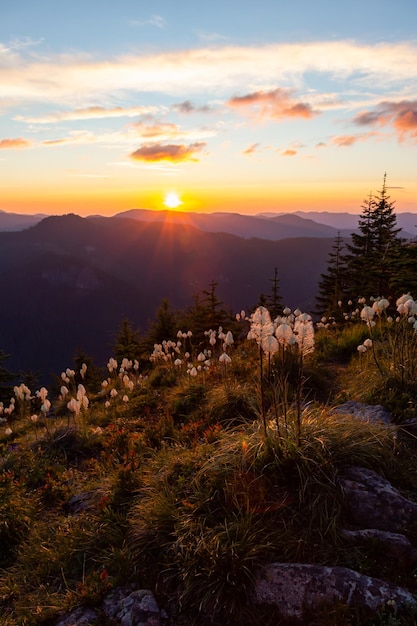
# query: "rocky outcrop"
{"points": [[124, 606], [298, 589], [370, 501]]}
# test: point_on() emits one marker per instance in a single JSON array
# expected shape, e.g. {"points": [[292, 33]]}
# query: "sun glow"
{"points": [[172, 200]]}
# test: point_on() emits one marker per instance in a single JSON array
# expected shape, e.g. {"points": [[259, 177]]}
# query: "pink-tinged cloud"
{"points": [[176, 153], [401, 115], [276, 104], [11, 144], [157, 130], [289, 152], [344, 141], [251, 149]]}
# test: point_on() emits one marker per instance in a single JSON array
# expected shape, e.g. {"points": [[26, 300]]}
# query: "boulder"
{"points": [[132, 607], [370, 501], [79, 617], [297, 590]]}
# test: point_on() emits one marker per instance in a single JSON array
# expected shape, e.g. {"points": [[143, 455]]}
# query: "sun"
{"points": [[172, 200]]}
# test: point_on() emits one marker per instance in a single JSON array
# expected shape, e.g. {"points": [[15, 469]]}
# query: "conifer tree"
{"points": [[372, 250], [332, 285], [273, 300], [127, 342], [164, 326], [5, 378]]}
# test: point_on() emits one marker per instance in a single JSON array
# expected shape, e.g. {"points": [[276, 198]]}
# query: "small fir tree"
{"points": [[332, 286], [127, 343]]}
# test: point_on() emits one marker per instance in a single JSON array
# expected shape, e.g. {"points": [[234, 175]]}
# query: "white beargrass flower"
{"points": [[225, 358], [361, 348], [201, 357], [125, 399], [113, 393], [8, 432], [368, 343], [193, 371]]}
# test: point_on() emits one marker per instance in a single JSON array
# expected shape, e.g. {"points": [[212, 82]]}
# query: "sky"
{"points": [[235, 106]]}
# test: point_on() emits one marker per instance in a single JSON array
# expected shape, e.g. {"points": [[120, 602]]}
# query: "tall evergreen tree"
{"points": [[273, 299], [372, 250], [332, 285]]}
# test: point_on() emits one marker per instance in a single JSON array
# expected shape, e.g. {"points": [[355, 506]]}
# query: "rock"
{"points": [[79, 617], [372, 502], [85, 501], [297, 589], [130, 607], [389, 545], [364, 412]]}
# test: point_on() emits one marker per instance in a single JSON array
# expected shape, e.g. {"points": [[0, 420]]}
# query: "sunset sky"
{"points": [[231, 105]]}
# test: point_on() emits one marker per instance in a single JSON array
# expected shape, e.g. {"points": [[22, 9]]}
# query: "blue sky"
{"points": [[237, 106]]}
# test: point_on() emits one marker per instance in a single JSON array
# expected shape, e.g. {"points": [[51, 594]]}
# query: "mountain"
{"points": [[278, 227], [69, 281], [17, 221]]}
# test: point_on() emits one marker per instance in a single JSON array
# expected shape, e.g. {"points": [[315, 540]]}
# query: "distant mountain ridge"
{"points": [[272, 226]]}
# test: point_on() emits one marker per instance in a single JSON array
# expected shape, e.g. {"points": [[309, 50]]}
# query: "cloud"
{"points": [[343, 141], [10, 144], [188, 107], [89, 113], [157, 130], [402, 116], [176, 153], [289, 152], [251, 149], [217, 70], [275, 104], [211, 37], [154, 20], [166, 131]]}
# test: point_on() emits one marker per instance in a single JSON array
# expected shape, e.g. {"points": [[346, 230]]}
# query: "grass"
{"points": [[186, 494]]}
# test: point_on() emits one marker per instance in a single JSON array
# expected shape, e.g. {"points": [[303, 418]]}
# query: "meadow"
{"points": [[186, 468]]}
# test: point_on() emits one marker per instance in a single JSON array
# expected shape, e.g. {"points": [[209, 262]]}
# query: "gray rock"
{"points": [[390, 545], [130, 607], [79, 617], [364, 412], [372, 502], [295, 589]]}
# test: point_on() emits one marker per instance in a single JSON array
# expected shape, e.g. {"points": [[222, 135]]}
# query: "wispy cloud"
{"points": [[176, 153], [290, 152], [274, 104], [89, 113], [402, 116], [211, 37], [252, 149], [11, 144], [188, 107], [219, 71], [345, 141], [153, 20]]}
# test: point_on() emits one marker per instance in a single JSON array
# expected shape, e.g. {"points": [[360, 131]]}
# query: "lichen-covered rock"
{"points": [[370, 501], [79, 617], [132, 607], [296, 589], [394, 546], [364, 412]]}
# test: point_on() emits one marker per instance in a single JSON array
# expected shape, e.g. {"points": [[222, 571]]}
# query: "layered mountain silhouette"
{"points": [[67, 282]]}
